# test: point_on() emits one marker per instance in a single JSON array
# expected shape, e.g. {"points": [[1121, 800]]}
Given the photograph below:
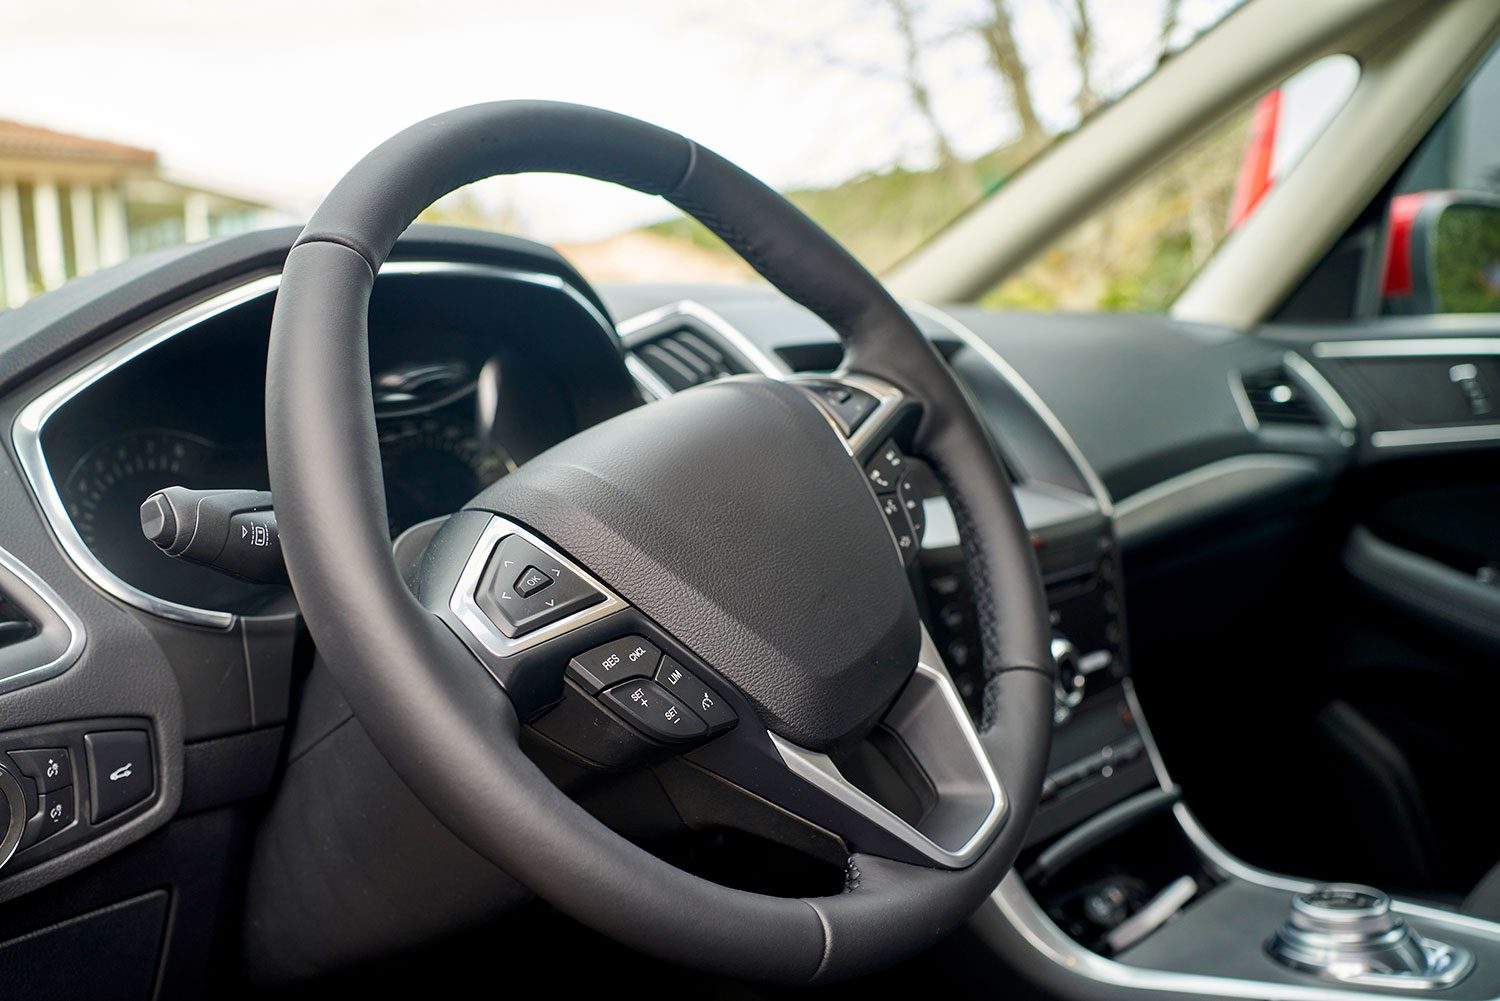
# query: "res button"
{"points": [[630, 657]]}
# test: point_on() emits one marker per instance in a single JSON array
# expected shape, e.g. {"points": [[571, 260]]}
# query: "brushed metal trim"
{"points": [[478, 625], [1412, 437], [26, 431], [1332, 401], [1409, 347], [819, 771]]}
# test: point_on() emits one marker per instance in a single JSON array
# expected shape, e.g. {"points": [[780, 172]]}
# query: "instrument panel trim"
{"points": [[27, 429]]}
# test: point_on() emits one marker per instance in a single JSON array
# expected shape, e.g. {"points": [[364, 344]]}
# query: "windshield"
{"points": [[884, 119]]}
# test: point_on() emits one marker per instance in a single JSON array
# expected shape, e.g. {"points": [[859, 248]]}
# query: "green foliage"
{"points": [[1466, 266]]}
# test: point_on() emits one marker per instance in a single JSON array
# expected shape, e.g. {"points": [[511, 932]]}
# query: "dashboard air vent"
{"points": [[1276, 397], [684, 358], [14, 625]]}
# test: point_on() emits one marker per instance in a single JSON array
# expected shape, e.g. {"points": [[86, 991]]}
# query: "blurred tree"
{"points": [[999, 38]]}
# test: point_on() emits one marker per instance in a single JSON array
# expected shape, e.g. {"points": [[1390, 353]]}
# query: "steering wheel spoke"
{"points": [[919, 789]]}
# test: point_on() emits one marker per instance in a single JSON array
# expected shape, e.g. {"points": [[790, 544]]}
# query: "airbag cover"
{"points": [[732, 515]]}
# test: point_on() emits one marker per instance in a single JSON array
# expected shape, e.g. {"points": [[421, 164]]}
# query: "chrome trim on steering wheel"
{"points": [[478, 625], [821, 772]]}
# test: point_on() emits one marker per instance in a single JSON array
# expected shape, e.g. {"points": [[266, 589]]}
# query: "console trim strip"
{"points": [[26, 431], [1409, 347]]}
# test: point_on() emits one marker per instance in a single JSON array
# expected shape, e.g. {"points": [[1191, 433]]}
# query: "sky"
{"points": [[277, 98]]}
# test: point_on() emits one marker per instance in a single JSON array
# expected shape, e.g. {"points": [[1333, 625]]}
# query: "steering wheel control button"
{"points": [[121, 771], [885, 470], [702, 700], [531, 581], [911, 503], [622, 659], [524, 589], [848, 405], [901, 530], [655, 710], [49, 768], [54, 813]]}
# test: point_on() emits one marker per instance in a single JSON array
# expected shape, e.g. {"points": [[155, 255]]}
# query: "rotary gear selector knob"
{"points": [[1069, 683]]}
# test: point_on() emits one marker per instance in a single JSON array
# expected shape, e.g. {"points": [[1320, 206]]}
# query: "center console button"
{"points": [[54, 813], [121, 771], [629, 657], [50, 768], [706, 703], [656, 711]]}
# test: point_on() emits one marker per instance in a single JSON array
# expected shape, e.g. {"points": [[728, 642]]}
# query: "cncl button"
{"points": [[121, 771], [630, 657]]}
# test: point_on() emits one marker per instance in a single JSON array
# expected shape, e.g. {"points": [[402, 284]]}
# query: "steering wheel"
{"points": [[731, 526]]}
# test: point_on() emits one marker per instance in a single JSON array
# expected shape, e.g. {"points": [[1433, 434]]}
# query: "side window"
{"points": [[1140, 250], [1442, 250]]}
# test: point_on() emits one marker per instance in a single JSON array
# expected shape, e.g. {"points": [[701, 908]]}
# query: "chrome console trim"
{"points": [[26, 431], [819, 771], [1326, 394], [1408, 347], [1420, 347]]}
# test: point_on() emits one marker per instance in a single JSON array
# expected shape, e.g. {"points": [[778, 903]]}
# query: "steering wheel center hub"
{"points": [[733, 517]]}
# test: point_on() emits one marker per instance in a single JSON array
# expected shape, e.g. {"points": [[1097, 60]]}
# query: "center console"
{"points": [[1119, 891]]}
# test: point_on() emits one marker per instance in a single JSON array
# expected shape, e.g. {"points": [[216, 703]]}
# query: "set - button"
{"points": [[654, 692]]}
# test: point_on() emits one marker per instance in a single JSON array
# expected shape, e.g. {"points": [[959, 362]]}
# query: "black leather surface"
{"points": [[423, 699], [732, 517]]}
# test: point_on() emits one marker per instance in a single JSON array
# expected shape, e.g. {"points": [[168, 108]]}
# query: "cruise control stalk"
{"points": [[232, 531]]}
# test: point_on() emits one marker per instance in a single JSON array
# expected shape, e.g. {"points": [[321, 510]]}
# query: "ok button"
{"points": [[531, 581]]}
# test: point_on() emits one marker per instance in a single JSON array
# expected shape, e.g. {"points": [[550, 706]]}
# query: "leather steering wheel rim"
{"points": [[420, 695]]}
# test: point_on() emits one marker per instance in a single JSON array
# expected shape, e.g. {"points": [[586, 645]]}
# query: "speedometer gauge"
{"points": [[104, 490], [432, 466]]}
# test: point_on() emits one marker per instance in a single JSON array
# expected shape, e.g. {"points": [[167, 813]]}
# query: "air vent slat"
{"points": [[1276, 397], [683, 358]]}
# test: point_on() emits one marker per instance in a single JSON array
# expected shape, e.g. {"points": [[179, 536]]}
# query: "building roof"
{"points": [[32, 142]]}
